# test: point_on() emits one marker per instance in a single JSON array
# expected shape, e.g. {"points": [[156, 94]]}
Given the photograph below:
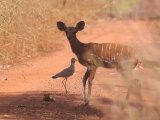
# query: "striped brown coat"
{"points": [[108, 55]]}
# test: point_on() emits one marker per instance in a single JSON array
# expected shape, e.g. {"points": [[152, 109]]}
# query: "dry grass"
{"points": [[28, 28]]}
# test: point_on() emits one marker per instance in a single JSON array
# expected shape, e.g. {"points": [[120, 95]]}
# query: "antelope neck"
{"points": [[75, 44]]}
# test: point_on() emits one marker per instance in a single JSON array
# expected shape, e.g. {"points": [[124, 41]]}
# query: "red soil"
{"points": [[23, 91]]}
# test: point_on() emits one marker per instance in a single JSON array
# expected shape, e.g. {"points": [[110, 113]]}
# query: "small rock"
{"points": [[48, 97]]}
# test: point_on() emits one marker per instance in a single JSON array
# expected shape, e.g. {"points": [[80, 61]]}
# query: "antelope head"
{"points": [[71, 31]]}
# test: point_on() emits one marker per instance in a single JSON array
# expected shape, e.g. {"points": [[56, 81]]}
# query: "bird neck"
{"points": [[72, 64]]}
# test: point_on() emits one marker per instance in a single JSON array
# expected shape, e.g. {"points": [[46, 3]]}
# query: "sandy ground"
{"points": [[23, 91]]}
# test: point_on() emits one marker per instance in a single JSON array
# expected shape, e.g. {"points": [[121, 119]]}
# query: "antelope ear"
{"points": [[80, 25], [61, 26]]}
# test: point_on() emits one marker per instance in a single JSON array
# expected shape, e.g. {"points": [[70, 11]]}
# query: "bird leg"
{"points": [[63, 82], [65, 86]]}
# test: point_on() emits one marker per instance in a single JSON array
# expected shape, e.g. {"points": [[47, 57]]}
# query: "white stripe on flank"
{"points": [[102, 51], [101, 59], [115, 51], [109, 51], [128, 50], [122, 50], [97, 46], [106, 48]]}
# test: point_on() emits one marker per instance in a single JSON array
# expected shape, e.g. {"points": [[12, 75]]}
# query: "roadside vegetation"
{"points": [[28, 28]]}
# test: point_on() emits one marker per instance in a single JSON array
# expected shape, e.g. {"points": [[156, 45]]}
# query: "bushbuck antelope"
{"points": [[93, 55]]}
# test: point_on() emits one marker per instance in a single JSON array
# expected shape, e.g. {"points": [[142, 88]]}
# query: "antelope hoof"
{"points": [[86, 102]]}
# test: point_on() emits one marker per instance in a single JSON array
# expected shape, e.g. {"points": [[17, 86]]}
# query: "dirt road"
{"points": [[23, 91]]}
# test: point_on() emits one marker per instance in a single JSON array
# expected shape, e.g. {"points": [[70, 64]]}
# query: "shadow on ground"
{"points": [[31, 106]]}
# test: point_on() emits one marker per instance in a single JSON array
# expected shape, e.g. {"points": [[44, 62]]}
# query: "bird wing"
{"points": [[65, 73]]}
